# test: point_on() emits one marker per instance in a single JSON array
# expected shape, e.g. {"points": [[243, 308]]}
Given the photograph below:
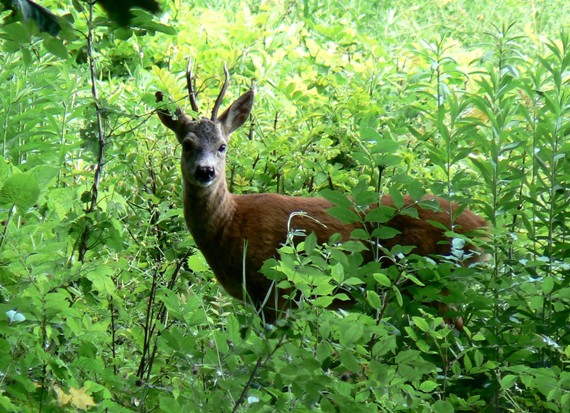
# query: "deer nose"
{"points": [[205, 174]]}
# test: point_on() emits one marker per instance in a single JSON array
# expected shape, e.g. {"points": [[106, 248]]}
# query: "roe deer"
{"points": [[227, 226]]}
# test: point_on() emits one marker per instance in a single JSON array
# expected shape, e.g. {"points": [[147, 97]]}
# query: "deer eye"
{"points": [[222, 148]]}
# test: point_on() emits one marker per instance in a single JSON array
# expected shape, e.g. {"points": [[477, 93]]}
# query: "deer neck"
{"points": [[208, 211]]}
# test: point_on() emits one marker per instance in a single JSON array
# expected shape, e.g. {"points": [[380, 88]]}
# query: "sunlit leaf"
{"points": [[373, 299], [21, 190]]}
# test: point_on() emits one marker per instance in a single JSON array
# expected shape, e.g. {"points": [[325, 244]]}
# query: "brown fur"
{"points": [[227, 226]]}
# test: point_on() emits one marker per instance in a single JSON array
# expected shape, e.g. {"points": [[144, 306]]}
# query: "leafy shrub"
{"points": [[108, 305]]}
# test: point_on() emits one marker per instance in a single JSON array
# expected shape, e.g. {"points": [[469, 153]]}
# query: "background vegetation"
{"points": [[105, 302]]}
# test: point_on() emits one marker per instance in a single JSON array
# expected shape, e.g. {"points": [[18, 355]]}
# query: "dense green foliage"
{"points": [[107, 305]]}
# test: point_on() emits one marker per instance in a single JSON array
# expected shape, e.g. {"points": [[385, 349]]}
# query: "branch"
{"points": [[83, 247], [254, 372]]}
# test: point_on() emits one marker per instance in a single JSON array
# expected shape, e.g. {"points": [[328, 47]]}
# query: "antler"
{"points": [[222, 93], [191, 92]]}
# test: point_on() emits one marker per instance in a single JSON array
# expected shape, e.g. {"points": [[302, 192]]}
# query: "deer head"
{"points": [[204, 140]]}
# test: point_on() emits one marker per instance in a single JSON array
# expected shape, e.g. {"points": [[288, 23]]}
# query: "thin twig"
{"points": [[7, 224], [259, 363], [248, 384], [113, 336], [83, 247]]}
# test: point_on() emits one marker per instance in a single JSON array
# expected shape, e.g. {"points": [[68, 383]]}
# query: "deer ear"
{"points": [[237, 113], [171, 122]]}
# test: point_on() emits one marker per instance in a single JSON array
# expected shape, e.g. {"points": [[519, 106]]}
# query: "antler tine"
{"points": [[191, 92], [222, 93]]}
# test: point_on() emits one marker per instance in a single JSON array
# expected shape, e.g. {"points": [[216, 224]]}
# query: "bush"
{"points": [[107, 303]]}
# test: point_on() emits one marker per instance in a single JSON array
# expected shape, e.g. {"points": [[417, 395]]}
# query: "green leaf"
{"points": [[323, 301], [232, 325], [364, 198], [442, 406], [421, 323], [4, 170], [310, 243], [221, 341], [144, 20], [428, 386], [484, 169], [385, 232], [468, 364], [413, 278], [408, 357], [56, 47], [197, 262], [373, 299], [102, 283], [508, 381], [349, 361], [169, 404], [536, 302], [381, 214], [478, 357], [324, 351], [17, 33], [397, 197], [344, 215], [352, 334], [337, 198], [7, 405], [167, 81], [382, 279], [337, 273], [398, 295], [385, 146], [43, 174], [21, 190], [353, 281], [563, 294], [415, 190], [547, 285]]}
